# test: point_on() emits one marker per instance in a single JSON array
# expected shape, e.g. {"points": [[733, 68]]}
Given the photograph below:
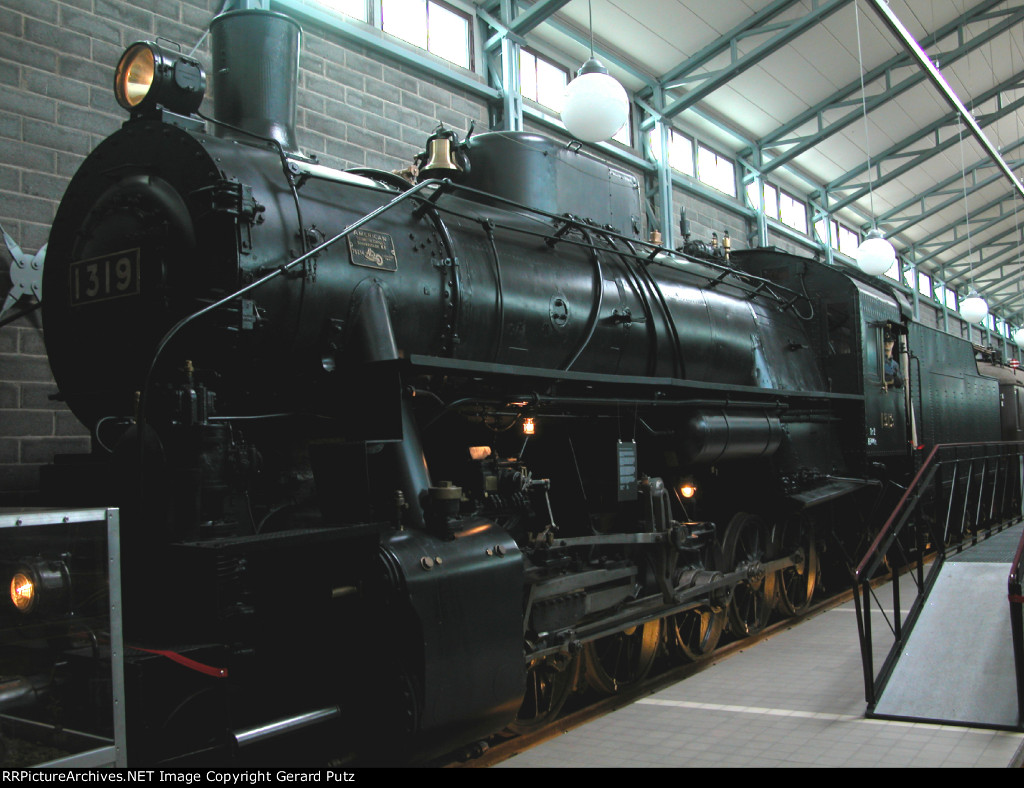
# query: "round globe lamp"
{"points": [[596, 106]]}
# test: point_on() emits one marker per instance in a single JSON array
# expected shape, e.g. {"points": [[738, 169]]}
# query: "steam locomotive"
{"points": [[404, 461]]}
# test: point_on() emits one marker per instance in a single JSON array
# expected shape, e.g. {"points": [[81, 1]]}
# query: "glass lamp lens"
{"points": [[23, 592], [135, 76]]}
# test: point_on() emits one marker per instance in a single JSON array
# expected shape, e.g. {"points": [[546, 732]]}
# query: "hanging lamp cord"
{"points": [[864, 107]]}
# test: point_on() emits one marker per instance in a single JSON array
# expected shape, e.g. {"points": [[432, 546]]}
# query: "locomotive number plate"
{"points": [[102, 278], [372, 250]]}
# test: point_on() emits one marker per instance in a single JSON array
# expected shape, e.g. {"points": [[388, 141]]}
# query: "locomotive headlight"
{"points": [[147, 77], [688, 489], [134, 76], [23, 592], [529, 427], [40, 585]]}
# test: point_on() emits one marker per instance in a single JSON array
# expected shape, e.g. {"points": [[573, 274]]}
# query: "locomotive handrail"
{"points": [[962, 494], [751, 284]]}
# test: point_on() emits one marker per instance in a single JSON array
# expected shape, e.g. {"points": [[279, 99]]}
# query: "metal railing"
{"points": [[962, 494]]}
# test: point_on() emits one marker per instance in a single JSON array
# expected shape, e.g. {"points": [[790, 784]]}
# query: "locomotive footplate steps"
{"points": [[957, 666]]}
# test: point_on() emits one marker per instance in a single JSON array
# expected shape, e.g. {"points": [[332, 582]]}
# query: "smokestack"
{"points": [[255, 74]]}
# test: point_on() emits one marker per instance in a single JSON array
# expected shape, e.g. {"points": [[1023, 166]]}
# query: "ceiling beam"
{"points": [[603, 53], [916, 159], [984, 223], [990, 256], [899, 218], [716, 79], [844, 96], [948, 94], [526, 21], [752, 25]]}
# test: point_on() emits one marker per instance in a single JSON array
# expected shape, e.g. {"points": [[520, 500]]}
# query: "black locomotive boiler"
{"points": [[409, 462]]}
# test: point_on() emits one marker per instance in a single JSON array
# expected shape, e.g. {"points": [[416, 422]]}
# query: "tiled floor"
{"points": [[795, 699]]}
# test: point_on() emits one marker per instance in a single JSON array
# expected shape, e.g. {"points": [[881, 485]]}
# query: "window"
{"points": [[771, 200], [821, 231], [948, 297], [843, 239], [792, 212], [680, 150], [541, 80], [429, 25], [625, 134], [924, 284], [752, 196], [353, 8], [894, 271], [848, 241], [788, 210], [717, 172]]}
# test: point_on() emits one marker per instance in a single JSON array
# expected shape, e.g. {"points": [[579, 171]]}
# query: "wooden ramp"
{"points": [[957, 666]]}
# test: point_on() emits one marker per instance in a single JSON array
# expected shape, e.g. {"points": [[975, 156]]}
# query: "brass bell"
{"points": [[439, 150]]}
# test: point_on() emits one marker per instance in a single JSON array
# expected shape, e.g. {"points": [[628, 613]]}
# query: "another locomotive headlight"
{"points": [[37, 585], [688, 489], [529, 426], [147, 77], [23, 592]]}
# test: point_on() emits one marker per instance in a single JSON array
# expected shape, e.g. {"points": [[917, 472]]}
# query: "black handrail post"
{"points": [[1005, 485], [967, 503], [981, 499], [949, 503], [897, 614], [864, 623], [920, 555]]}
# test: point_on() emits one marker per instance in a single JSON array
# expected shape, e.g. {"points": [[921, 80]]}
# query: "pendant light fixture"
{"points": [[596, 105], [875, 255], [974, 308]]}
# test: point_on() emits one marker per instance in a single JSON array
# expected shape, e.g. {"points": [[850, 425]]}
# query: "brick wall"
{"points": [[706, 218], [56, 103]]}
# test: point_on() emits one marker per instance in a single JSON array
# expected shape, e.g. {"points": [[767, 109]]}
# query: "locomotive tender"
{"points": [[402, 465]]}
